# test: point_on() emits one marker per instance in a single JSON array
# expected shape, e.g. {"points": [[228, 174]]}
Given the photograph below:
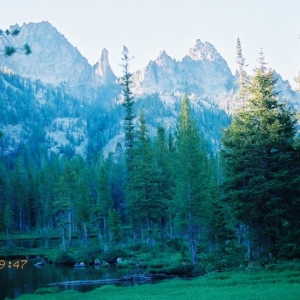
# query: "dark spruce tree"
{"points": [[242, 75], [129, 107], [104, 204], [190, 181], [114, 226], [145, 207], [261, 167], [164, 158]]}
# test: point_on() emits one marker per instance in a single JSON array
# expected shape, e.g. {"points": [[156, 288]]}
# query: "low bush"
{"points": [[64, 259], [125, 264], [94, 251], [112, 255], [43, 291]]}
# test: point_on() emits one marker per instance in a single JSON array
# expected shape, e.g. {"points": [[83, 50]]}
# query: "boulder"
{"points": [[105, 264], [80, 265]]}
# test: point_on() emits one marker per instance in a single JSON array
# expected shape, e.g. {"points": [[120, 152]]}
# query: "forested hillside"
{"points": [[159, 172]]}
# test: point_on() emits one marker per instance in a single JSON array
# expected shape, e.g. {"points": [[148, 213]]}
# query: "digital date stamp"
{"points": [[16, 264]]}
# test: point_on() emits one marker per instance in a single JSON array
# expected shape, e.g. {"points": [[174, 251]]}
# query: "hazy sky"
{"points": [[148, 26]]}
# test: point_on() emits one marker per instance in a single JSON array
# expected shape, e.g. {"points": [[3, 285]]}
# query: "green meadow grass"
{"points": [[242, 285]]}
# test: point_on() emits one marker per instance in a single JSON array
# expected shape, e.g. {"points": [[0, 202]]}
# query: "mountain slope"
{"points": [[81, 112], [53, 60]]}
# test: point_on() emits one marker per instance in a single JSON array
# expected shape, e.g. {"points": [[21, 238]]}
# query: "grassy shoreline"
{"points": [[248, 284], [252, 281]]}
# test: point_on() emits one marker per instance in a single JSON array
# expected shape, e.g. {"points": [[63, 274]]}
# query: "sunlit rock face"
{"points": [[161, 74], [203, 71], [104, 73], [53, 60]]}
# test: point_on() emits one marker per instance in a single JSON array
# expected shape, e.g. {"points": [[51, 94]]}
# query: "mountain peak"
{"points": [[43, 26], [163, 58], [53, 60], [203, 51], [162, 53], [103, 68]]}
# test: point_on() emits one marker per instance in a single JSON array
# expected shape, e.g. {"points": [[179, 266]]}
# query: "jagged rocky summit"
{"points": [[54, 60], [103, 71], [202, 71]]}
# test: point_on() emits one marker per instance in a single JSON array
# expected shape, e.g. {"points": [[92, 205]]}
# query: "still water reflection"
{"points": [[14, 283]]}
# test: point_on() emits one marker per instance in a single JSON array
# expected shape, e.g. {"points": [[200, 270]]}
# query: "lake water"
{"points": [[15, 282]]}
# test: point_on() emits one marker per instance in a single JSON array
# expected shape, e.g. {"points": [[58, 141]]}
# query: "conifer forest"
{"points": [[170, 191]]}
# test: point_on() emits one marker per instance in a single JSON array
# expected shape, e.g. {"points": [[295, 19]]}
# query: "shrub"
{"points": [[94, 251], [64, 259], [112, 255], [125, 264], [42, 291]]}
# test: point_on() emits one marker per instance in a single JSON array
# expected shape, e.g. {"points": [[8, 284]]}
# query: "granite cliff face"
{"points": [[53, 60], [102, 70], [159, 75], [205, 71], [202, 71]]}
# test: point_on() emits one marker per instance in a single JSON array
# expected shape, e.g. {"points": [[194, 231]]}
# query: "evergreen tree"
{"points": [[49, 176], [129, 107], [191, 186], [118, 177], [262, 166], [144, 204], [64, 204], [242, 75], [114, 226], [83, 210], [9, 223], [164, 158], [104, 204]]}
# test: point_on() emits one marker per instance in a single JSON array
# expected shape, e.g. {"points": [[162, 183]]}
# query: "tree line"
{"points": [[241, 203]]}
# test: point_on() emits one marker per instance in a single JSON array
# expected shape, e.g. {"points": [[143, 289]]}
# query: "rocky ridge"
{"points": [[203, 74]]}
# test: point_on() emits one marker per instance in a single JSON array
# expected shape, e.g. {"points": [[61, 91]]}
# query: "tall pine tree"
{"points": [[104, 204], [144, 205], [191, 186], [262, 166], [242, 75], [164, 159], [129, 107]]}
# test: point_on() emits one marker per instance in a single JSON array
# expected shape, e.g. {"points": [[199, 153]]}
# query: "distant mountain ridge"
{"points": [[54, 60], [82, 105], [203, 71]]}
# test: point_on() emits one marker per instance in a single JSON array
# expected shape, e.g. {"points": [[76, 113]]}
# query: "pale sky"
{"points": [[148, 26]]}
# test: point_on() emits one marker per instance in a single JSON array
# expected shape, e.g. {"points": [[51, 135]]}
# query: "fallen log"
{"points": [[132, 278]]}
